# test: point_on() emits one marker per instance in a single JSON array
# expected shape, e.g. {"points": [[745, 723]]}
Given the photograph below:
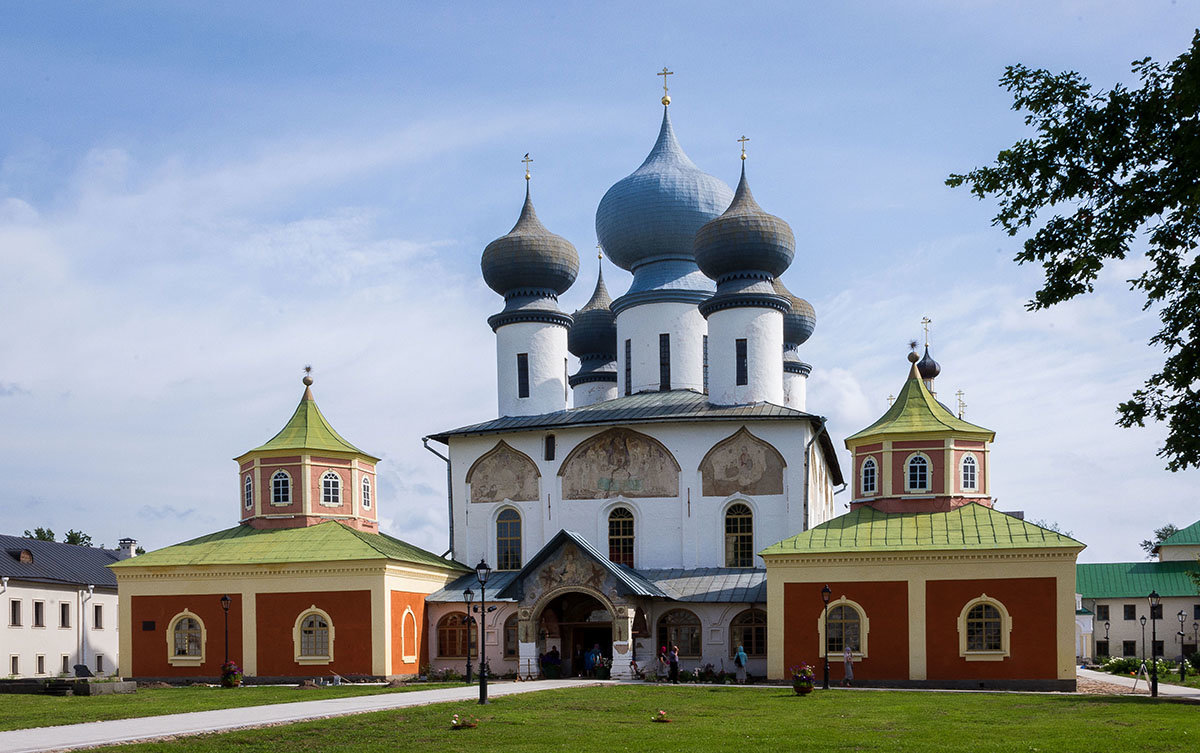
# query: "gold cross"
{"points": [[666, 98], [961, 404], [891, 399], [527, 160], [599, 252], [743, 141], [925, 322]]}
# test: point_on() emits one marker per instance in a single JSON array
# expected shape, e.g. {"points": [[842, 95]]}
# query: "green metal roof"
{"points": [[307, 429], [971, 526], [325, 542], [917, 411], [1136, 579], [1189, 536]]}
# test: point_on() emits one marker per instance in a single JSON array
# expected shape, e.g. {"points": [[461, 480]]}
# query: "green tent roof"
{"points": [[918, 411], [1189, 536], [1136, 579], [971, 526], [308, 430], [325, 542]]}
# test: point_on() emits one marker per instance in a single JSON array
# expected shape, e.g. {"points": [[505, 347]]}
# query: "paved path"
{"points": [[1165, 690], [92, 734]]}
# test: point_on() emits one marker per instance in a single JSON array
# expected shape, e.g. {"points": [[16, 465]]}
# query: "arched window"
{"points": [[843, 628], [366, 493], [281, 488], [508, 540], [455, 636], [918, 473], [868, 476], [749, 630], [969, 476], [313, 637], [331, 489], [680, 627], [248, 491], [510, 636], [983, 630], [408, 636], [739, 536], [186, 638], [620, 536]]}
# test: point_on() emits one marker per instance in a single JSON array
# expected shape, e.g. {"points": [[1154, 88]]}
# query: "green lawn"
{"points": [[24, 711], [746, 720]]}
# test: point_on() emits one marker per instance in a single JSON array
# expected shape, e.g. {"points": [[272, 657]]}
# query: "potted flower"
{"points": [[462, 722], [603, 668], [802, 678], [660, 717], [231, 675]]}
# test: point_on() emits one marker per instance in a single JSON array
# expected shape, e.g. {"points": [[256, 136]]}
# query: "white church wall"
{"points": [[795, 391], [546, 346], [641, 326], [590, 393], [762, 329]]}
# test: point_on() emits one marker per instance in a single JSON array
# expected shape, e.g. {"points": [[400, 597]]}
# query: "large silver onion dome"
{"points": [[529, 258], [798, 325], [745, 241]]}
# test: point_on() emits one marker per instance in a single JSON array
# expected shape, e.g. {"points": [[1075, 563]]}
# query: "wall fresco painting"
{"points": [[620, 462], [741, 464], [503, 473]]}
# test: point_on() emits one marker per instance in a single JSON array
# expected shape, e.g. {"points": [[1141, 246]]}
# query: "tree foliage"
{"points": [[78, 538], [1160, 535], [1120, 169], [40, 534]]}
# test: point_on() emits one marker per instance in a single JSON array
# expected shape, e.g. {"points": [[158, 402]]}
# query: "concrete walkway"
{"points": [[1165, 690], [93, 734]]}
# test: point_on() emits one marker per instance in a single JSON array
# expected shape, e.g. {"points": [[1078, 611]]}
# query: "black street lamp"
{"points": [[225, 602], [1154, 607], [825, 594], [1143, 621], [1195, 633], [482, 572], [1182, 658], [468, 595], [1107, 648]]}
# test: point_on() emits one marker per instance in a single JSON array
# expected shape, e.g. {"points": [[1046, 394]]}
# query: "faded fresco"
{"points": [[503, 473], [620, 462], [741, 464], [571, 568]]}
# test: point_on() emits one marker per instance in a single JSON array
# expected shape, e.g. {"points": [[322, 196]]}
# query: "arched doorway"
{"points": [[575, 623]]}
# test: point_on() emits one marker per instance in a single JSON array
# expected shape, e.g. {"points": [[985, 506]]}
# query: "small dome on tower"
{"points": [[798, 325], [654, 212], [594, 331], [928, 367], [744, 241], [529, 257]]}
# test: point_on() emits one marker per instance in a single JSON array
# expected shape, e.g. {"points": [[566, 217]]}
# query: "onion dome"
{"points": [[653, 213], [594, 331], [928, 367], [530, 260], [798, 325], [744, 242]]}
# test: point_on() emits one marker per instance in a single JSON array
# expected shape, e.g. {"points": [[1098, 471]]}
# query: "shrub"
{"points": [[685, 675]]}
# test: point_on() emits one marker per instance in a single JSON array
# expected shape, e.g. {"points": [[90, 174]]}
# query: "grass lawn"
{"points": [[24, 711], [747, 720]]}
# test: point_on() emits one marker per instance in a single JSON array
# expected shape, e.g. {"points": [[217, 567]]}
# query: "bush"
{"points": [[685, 675]]}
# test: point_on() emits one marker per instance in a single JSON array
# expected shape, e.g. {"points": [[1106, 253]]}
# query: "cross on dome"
{"points": [[666, 98]]}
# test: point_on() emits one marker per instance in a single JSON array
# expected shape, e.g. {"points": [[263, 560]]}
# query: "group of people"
{"points": [[668, 664]]}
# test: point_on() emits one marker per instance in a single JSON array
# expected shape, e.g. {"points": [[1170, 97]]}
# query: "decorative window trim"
{"points": [[1005, 632], [296, 637], [608, 525], [469, 624], [186, 661], [366, 492], [908, 487], [862, 477], [733, 643], [864, 630], [520, 537], [248, 491], [405, 635], [962, 472], [725, 531], [336, 489], [662, 632], [286, 477]]}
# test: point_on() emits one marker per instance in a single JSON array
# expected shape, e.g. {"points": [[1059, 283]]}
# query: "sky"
{"points": [[197, 199]]}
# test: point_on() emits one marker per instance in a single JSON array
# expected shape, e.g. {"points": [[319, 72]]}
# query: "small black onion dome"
{"points": [[530, 257], [595, 329], [928, 367], [745, 241], [798, 325]]}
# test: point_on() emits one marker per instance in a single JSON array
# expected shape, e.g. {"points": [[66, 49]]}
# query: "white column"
{"points": [[642, 325], [795, 390], [545, 347], [762, 328], [590, 393]]}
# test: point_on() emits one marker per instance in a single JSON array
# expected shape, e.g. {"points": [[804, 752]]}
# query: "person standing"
{"points": [[662, 663], [673, 662], [848, 659], [589, 664], [739, 661]]}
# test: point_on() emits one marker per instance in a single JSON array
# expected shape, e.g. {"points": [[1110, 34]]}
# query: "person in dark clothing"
{"points": [[673, 662]]}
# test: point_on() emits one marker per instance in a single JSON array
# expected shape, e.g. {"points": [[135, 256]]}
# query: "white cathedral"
{"points": [[624, 505]]}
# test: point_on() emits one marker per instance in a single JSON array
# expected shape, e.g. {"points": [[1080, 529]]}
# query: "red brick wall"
{"points": [[886, 607], [412, 634], [150, 646], [350, 612]]}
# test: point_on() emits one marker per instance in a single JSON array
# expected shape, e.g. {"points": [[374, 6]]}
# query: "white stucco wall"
{"points": [[546, 345], [81, 642], [795, 391], [590, 393], [762, 328], [642, 325]]}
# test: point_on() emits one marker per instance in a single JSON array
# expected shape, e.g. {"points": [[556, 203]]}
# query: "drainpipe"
{"points": [[449, 493], [807, 449]]}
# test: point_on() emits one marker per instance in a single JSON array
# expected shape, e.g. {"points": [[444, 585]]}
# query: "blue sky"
{"points": [[197, 199]]}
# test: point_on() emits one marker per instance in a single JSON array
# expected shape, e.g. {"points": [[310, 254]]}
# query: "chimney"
{"points": [[126, 548]]}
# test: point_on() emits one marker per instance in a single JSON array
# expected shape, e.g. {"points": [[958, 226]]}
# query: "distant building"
{"points": [[60, 607]]}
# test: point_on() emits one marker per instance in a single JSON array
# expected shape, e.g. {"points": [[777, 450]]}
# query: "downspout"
{"points": [[807, 449], [449, 494]]}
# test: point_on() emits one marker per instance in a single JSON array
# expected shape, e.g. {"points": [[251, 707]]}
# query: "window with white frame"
{"points": [[40, 664], [969, 473], [14, 613], [739, 536], [64, 614], [248, 491], [314, 636], [508, 540], [844, 624], [984, 626], [918, 473], [868, 476], [97, 617], [66, 664], [281, 488], [185, 640], [331, 489], [366, 492]]}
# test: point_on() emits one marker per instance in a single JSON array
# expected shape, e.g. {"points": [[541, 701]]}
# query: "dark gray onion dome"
{"points": [[798, 325], [745, 241], [530, 260], [928, 367], [653, 213], [594, 332]]}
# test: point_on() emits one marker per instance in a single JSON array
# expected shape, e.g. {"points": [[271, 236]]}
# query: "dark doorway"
{"points": [[576, 623]]}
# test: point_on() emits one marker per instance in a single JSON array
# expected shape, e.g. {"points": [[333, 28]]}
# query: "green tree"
{"points": [[40, 534], [1160, 535], [1120, 169], [78, 538]]}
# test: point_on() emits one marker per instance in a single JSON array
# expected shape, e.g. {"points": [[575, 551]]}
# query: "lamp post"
{"points": [[1182, 658], [482, 572], [1154, 602], [468, 595], [1107, 648], [825, 593], [1143, 621], [225, 602]]}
